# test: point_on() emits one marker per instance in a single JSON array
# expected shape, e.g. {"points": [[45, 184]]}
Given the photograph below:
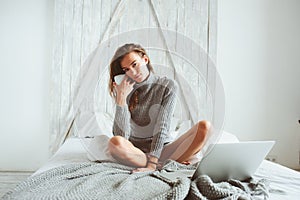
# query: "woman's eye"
{"points": [[125, 69], [134, 65]]}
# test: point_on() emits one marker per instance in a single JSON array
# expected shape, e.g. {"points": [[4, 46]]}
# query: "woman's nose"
{"points": [[133, 71]]}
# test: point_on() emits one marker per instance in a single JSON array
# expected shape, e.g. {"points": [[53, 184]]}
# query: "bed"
{"points": [[283, 183]]}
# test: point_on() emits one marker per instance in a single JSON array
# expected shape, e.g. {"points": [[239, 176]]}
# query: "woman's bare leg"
{"points": [[188, 144], [180, 150], [126, 153]]}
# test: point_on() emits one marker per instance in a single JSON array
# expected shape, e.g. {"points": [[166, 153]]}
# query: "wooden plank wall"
{"points": [[81, 25]]}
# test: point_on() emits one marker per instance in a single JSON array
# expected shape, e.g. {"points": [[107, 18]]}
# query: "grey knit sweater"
{"points": [[149, 121]]}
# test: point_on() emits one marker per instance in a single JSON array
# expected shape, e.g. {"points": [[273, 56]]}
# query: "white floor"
{"points": [[8, 180]]}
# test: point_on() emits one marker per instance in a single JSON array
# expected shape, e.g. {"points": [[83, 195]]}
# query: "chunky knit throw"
{"points": [[114, 181]]}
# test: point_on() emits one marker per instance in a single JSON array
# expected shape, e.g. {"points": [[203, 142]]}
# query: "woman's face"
{"points": [[135, 66]]}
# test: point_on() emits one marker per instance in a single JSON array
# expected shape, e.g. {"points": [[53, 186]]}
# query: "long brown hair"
{"points": [[115, 64]]}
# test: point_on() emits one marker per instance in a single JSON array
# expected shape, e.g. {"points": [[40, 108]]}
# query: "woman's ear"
{"points": [[146, 59]]}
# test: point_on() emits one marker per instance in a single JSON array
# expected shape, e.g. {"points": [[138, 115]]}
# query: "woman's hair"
{"points": [[115, 64]]}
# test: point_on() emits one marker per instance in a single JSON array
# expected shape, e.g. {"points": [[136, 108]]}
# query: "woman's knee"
{"points": [[119, 145], [203, 129], [116, 141], [204, 125]]}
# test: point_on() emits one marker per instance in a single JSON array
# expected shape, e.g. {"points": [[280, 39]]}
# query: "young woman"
{"points": [[145, 104]]}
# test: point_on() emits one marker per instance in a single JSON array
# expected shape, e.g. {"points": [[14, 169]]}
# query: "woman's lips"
{"points": [[138, 76]]}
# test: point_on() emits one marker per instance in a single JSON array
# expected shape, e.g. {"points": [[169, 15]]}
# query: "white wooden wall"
{"points": [[81, 25]]}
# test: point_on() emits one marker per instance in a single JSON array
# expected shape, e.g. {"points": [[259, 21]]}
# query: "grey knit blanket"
{"points": [[114, 181]]}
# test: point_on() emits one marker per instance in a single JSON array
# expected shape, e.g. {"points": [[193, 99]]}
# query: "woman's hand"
{"points": [[123, 90], [144, 169]]}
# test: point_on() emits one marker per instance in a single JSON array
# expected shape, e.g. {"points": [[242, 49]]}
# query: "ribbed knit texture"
{"points": [[151, 118]]}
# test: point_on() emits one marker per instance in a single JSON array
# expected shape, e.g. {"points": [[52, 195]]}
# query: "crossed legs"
{"points": [[126, 153], [187, 145], [180, 150]]}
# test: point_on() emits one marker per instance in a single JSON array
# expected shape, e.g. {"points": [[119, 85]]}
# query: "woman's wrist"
{"points": [[121, 100], [152, 161], [151, 166]]}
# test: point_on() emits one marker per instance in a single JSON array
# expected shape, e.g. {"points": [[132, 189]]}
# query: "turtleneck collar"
{"points": [[149, 80]]}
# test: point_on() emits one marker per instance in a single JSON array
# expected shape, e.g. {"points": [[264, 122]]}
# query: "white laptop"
{"points": [[233, 160]]}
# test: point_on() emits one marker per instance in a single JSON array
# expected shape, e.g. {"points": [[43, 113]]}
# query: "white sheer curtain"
{"points": [[82, 25]]}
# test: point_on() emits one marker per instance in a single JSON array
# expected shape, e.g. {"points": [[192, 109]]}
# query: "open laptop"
{"points": [[233, 160]]}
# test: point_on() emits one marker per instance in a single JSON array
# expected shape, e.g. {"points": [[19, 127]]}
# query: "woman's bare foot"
{"points": [[185, 162]]}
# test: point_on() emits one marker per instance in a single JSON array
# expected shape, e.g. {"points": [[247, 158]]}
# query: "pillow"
{"points": [[97, 148], [179, 127], [174, 124], [105, 123], [227, 137], [184, 126]]}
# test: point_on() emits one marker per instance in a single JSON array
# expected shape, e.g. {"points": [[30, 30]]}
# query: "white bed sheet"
{"points": [[284, 182]]}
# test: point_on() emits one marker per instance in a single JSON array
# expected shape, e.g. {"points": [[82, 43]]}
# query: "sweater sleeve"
{"points": [[163, 121], [121, 125]]}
